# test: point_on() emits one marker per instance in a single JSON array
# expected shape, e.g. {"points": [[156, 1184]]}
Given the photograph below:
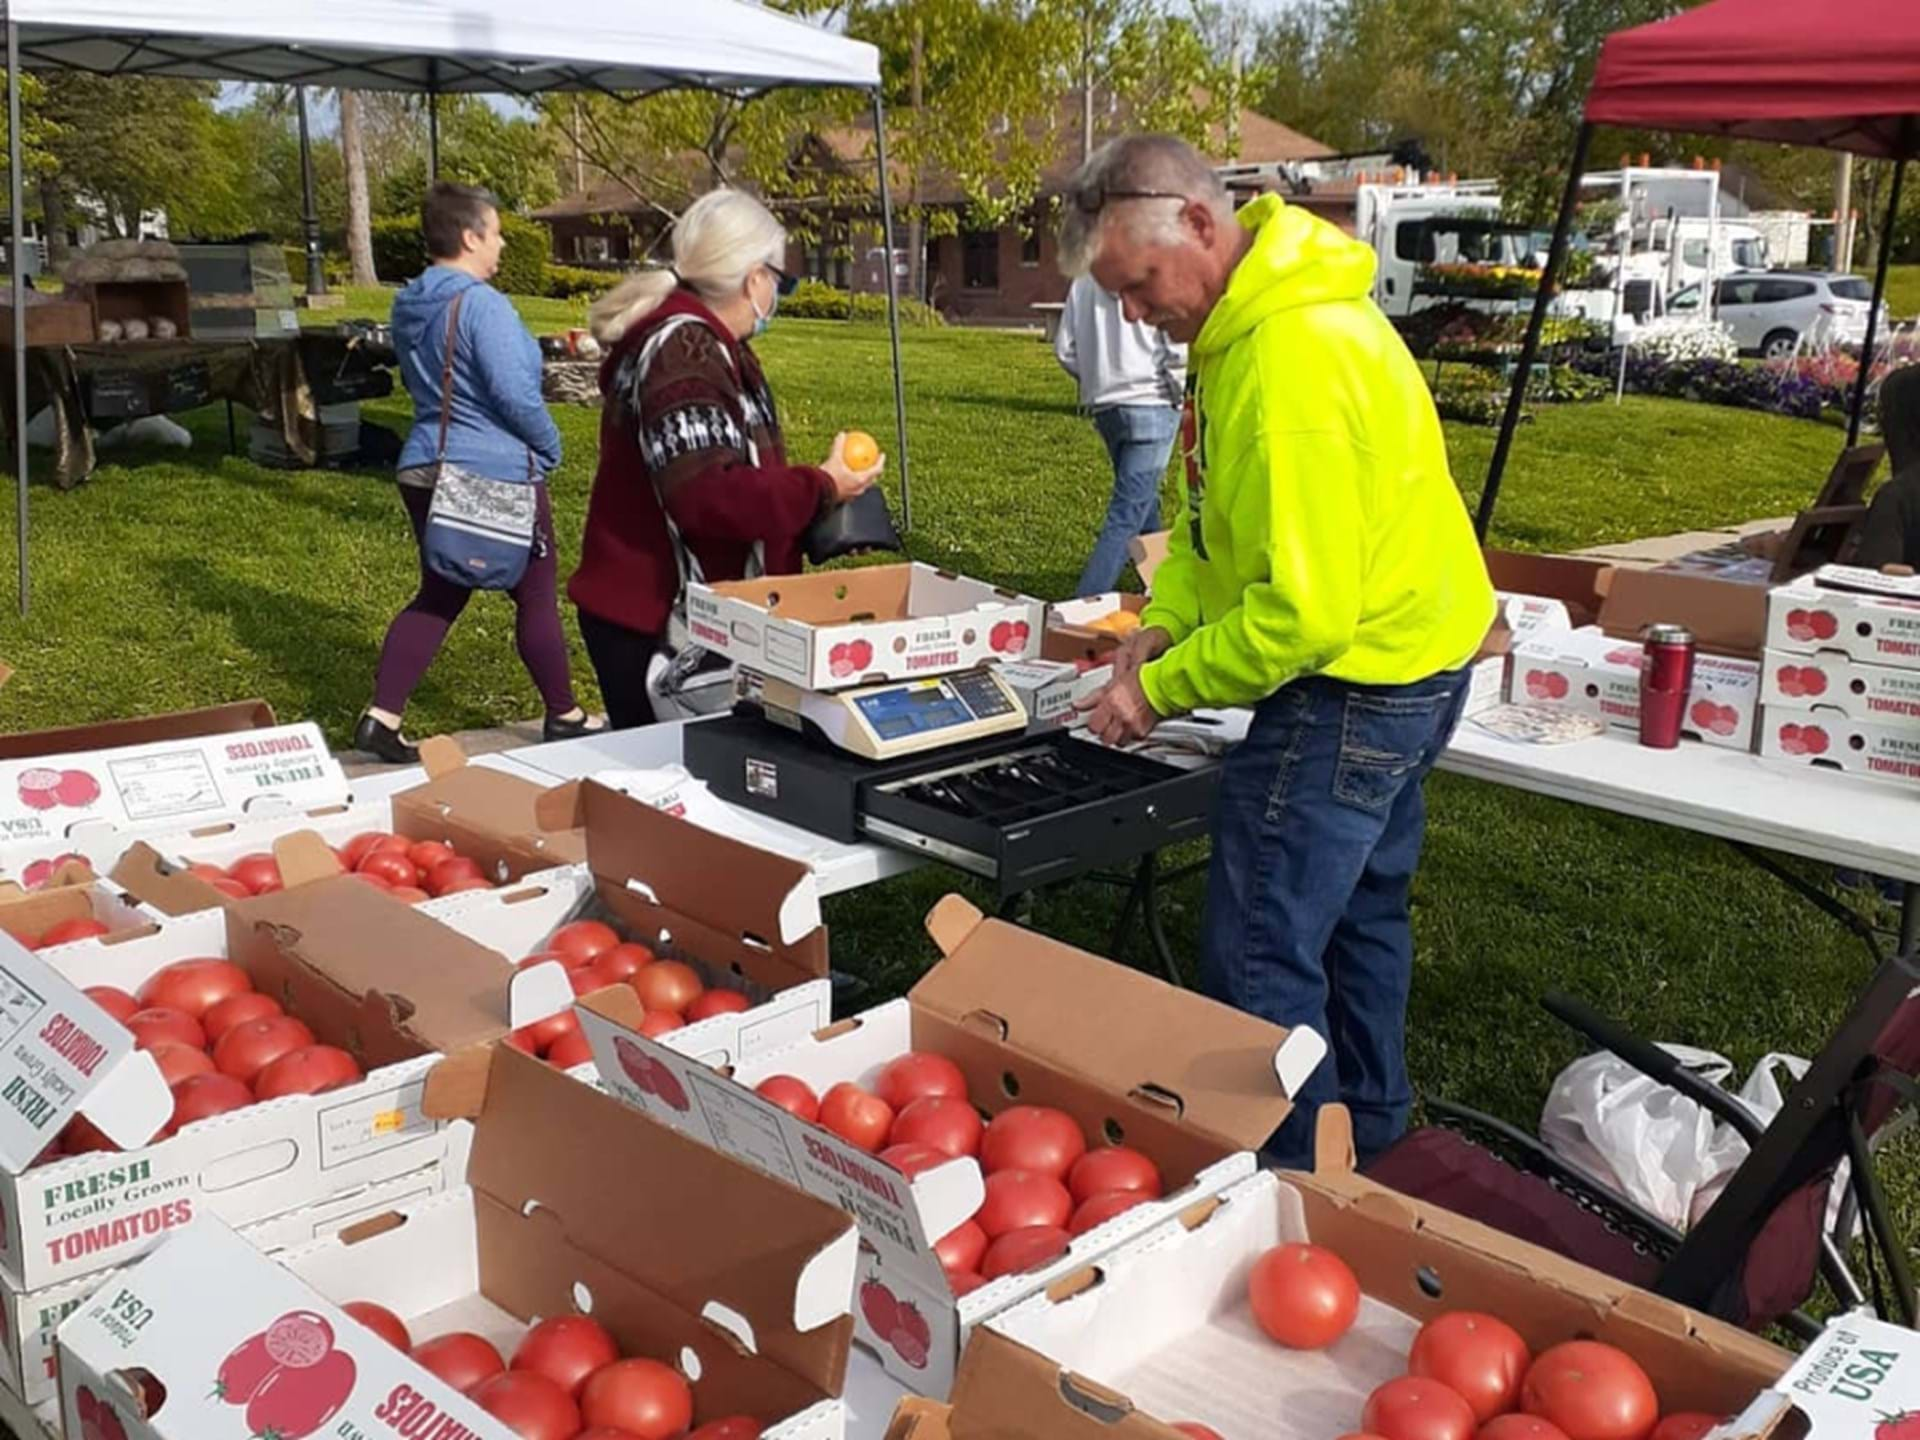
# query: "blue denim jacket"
{"points": [[499, 417]]}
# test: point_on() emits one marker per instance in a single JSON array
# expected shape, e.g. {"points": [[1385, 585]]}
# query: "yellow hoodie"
{"points": [[1323, 532]]}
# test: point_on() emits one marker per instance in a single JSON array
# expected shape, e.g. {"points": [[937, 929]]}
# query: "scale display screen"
{"points": [[919, 709]]}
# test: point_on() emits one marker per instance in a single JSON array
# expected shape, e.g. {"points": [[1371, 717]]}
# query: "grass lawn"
{"points": [[172, 582], [1903, 291]]}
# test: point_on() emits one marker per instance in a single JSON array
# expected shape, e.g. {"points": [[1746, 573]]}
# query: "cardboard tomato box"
{"points": [[1162, 1331], [1863, 614], [1592, 673], [578, 1205], [1832, 682], [838, 628], [72, 894], [30, 1318], [1191, 1083], [1835, 742], [1070, 636]]}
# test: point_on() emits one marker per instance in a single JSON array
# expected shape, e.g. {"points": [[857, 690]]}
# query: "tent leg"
{"points": [[1530, 347], [1858, 409], [433, 121], [893, 312], [17, 255], [309, 213]]}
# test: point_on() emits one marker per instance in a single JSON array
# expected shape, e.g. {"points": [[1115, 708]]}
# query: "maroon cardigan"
{"points": [[680, 428]]}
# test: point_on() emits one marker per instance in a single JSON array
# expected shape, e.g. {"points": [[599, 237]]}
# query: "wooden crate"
{"points": [[125, 300], [50, 322]]}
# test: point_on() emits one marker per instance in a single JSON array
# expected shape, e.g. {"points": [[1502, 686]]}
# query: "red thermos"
{"points": [[1666, 675]]}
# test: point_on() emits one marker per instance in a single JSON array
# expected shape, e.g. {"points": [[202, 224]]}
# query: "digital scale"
{"points": [[896, 718]]}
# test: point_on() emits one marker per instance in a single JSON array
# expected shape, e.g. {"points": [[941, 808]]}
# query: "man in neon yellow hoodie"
{"points": [[1324, 573]]}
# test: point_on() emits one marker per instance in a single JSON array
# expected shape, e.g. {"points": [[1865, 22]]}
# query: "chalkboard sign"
{"points": [[187, 387], [117, 395]]}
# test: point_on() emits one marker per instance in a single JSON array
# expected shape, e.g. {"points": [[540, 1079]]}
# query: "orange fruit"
{"points": [[860, 451]]}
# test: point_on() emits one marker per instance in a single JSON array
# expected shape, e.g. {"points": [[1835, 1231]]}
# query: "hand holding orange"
{"points": [[861, 451]]}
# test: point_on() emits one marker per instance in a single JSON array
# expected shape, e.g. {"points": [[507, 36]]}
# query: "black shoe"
{"points": [[383, 743], [558, 729]]}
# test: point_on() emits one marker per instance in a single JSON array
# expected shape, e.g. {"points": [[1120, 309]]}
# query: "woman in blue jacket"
{"points": [[497, 426]]}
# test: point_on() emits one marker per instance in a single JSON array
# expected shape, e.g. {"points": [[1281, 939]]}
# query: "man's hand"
{"points": [[1120, 713], [1137, 649]]}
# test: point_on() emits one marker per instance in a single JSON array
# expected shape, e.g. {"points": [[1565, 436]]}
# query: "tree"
{"points": [[359, 211], [512, 156]]}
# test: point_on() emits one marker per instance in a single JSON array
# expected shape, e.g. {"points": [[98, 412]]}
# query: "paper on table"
{"points": [[673, 788], [1531, 725]]}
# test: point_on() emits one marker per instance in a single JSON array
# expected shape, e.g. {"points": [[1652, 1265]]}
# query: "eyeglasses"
{"points": [[1093, 201], [783, 283]]}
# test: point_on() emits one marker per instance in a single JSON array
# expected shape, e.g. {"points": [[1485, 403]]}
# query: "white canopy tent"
{"points": [[433, 47]]}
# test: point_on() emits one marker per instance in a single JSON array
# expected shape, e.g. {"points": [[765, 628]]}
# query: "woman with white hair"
{"points": [[693, 474]]}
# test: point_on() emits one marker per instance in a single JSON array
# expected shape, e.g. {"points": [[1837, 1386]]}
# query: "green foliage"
{"points": [[399, 249], [511, 156], [814, 300], [567, 281], [523, 256], [332, 264]]}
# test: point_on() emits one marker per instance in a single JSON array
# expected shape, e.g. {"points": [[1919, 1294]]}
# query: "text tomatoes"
{"points": [[642, 1397], [194, 987], [115, 1001], [1102, 1208], [961, 1249], [382, 1321], [1413, 1409], [310, 1070], [1591, 1391], [951, 1126], [1019, 1250], [1018, 1199], [1032, 1137], [237, 1010], [529, 1404], [850, 1112], [581, 941], [389, 865], [1111, 1168], [249, 1047], [1684, 1425], [159, 1026], [918, 1075], [796, 1097], [716, 1002], [1480, 1358], [1304, 1296], [199, 1096], [566, 1349], [667, 985], [462, 1359]]}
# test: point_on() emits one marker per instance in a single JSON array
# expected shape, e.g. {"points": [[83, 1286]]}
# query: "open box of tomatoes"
{"points": [[602, 1276], [1308, 1307], [1025, 1107], [68, 906]]}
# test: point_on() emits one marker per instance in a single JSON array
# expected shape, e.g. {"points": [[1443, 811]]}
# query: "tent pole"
{"points": [[893, 310], [433, 121], [17, 255], [1858, 409], [1530, 347], [309, 213]]}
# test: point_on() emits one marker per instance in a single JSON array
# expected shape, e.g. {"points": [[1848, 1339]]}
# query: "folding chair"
{"points": [[1752, 1259]]}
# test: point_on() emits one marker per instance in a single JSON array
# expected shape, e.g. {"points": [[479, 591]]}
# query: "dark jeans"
{"points": [[1316, 835], [620, 657], [1139, 438], [416, 634]]}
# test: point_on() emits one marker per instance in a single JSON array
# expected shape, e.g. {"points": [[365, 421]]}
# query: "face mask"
{"points": [[761, 322]]}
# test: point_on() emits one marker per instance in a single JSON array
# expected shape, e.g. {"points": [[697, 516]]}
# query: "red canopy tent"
{"points": [[1836, 74]]}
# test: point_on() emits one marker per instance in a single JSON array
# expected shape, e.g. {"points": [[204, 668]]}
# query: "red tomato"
{"points": [[570, 1050], [1415, 1409], [298, 1400], [83, 1137], [851, 1113], [1102, 1208], [961, 1249], [156, 1026], [1519, 1427], [1019, 1250], [1032, 1137], [530, 1405], [378, 882], [964, 1282], [910, 1160], [1479, 1358], [410, 894], [425, 854], [1592, 1391], [656, 1023], [1684, 1425], [198, 1096], [382, 1321], [584, 981], [201, 870], [582, 941], [716, 1002], [67, 931], [462, 1359], [237, 1010], [941, 1123], [249, 1047], [357, 849], [389, 865], [523, 1041], [667, 985], [796, 1097], [1194, 1430], [194, 986], [244, 1370], [177, 1062], [1018, 1199], [1111, 1168], [917, 1075], [734, 1427], [116, 1002], [230, 887], [444, 877], [260, 873], [566, 1349], [1303, 1296], [622, 962], [642, 1397], [545, 1032], [308, 1071]]}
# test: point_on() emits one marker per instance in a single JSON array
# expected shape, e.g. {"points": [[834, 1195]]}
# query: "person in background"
{"points": [[1130, 377], [689, 433], [1325, 574], [1890, 535], [498, 426]]}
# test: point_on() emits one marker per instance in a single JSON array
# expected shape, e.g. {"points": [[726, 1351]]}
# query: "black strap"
{"points": [[446, 379]]}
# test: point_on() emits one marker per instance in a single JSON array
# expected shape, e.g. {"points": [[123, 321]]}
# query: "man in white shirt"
{"points": [[1131, 378]]}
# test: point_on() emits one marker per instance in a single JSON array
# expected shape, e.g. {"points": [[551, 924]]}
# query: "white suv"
{"points": [[1768, 311]]}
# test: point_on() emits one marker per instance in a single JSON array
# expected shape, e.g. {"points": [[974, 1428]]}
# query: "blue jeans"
{"points": [[1317, 831], [1139, 439]]}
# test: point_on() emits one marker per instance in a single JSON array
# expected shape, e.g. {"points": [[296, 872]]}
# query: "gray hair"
{"points": [[1145, 169]]}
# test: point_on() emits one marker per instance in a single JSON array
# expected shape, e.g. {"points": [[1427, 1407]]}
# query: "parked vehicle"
{"points": [[1771, 312]]}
